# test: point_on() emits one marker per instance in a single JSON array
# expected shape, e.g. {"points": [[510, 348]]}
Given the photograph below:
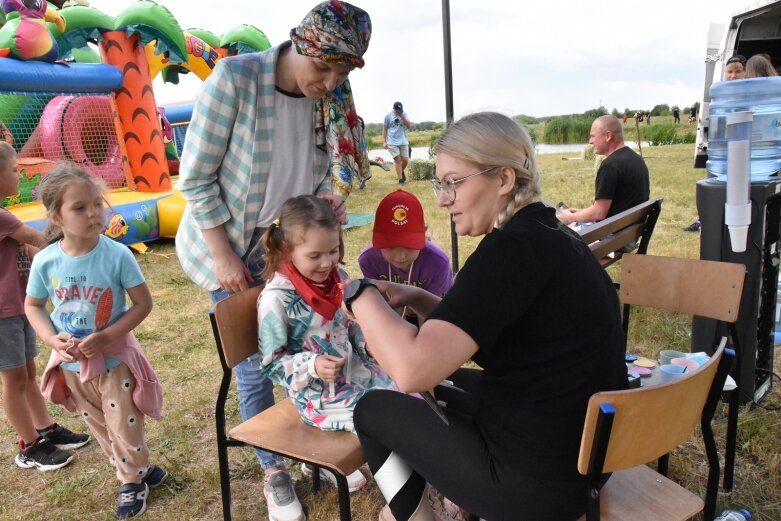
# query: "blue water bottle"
{"points": [[734, 515], [762, 96]]}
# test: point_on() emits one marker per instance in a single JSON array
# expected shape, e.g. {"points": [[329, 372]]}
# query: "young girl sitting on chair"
{"points": [[307, 343]]}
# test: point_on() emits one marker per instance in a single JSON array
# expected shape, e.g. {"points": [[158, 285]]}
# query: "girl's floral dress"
{"points": [[291, 335]]}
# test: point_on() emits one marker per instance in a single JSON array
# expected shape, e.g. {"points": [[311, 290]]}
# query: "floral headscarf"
{"points": [[337, 32]]}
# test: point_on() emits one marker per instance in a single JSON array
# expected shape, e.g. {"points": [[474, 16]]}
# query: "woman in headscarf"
{"points": [[266, 127]]}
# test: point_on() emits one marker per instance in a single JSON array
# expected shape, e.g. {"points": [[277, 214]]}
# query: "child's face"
{"points": [[316, 253], [82, 213], [734, 71], [402, 258], [9, 179]]}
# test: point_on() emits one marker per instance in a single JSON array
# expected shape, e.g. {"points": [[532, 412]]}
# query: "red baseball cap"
{"points": [[399, 222]]}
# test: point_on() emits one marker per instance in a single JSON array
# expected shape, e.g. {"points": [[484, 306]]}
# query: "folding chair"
{"points": [[626, 429], [278, 429], [708, 289]]}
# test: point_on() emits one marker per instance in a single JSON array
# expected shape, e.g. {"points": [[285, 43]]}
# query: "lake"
{"points": [[541, 148]]}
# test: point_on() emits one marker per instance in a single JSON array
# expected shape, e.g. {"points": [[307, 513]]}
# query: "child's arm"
{"points": [[142, 306], [35, 309], [26, 234]]}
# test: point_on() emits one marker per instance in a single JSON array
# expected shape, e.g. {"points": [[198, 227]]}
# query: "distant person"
{"points": [[625, 118], [42, 443], [401, 252], [639, 116], [394, 139], [735, 67], [648, 117], [759, 67], [622, 179], [676, 115]]}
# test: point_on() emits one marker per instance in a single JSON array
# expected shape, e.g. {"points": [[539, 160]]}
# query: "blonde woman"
{"points": [[532, 307]]}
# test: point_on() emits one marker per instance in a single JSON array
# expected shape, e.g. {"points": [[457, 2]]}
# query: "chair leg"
{"points": [[225, 479], [663, 464], [344, 497], [732, 434], [315, 479]]}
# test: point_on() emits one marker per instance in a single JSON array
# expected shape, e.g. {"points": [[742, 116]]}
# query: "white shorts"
{"points": [[398, 150]]}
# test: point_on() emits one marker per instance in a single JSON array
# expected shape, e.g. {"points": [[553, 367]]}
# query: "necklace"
{"points": [[409, 281]]}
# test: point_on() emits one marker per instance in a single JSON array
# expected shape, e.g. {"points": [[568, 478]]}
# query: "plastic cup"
{"points": [[670, 372], [666, 355], [688, 363]]}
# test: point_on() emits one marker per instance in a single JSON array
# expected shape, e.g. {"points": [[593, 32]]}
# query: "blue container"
{"points": [[762, 96]]}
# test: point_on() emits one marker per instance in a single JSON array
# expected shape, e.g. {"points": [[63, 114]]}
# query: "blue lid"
{"points": [[745, 513]]}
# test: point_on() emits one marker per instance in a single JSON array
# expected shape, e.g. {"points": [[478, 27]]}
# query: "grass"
{"points": [[179, 343]]}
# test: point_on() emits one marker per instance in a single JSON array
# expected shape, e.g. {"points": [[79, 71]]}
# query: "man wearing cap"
{"points": [[266, 127], [400, 251], [394, 139]]}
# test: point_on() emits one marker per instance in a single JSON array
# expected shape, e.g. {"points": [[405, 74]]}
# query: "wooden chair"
{"points": [[608, 238], [696, 287], [626, 429], [278, 429]]}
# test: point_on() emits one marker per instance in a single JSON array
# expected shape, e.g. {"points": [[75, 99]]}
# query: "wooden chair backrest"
{"points": [[649, 421], [237, 323], [613, 233], [711, 289]]}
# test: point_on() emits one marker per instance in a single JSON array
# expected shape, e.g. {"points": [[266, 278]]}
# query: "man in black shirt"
{"points": [[622, 179]]}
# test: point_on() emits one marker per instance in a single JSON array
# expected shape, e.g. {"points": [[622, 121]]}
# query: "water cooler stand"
{"points": [[755, 324]]}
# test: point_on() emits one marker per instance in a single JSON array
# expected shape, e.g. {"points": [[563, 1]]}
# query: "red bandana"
{"points": [[325, 298]]}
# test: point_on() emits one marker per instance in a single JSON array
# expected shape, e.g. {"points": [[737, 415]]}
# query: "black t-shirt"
{"points": [[623, 178], [546, 319]]}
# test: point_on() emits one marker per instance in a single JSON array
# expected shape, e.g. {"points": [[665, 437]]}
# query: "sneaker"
{"points": [[281, 499], [132, 500], [42, 454], [355, 481], [64, 439], [362, 184], [402, 181], [693, 227], [155, 476]]}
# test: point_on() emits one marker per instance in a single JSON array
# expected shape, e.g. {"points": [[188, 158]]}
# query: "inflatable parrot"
{"points": [[25, 35]]}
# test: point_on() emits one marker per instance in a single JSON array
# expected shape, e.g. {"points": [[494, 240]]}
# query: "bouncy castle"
{"points": [[76, 85]]}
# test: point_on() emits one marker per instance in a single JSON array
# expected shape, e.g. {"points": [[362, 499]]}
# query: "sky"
{"points": [[539, 58]]}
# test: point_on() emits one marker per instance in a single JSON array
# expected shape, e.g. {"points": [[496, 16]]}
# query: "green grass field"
{"points": [[179, 343]]}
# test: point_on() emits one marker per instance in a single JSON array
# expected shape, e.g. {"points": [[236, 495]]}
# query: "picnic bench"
{"points": [[627, 231]]}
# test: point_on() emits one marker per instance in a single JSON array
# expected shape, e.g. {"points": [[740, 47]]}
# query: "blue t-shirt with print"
{"points": [[88, 291], [396, 134]]}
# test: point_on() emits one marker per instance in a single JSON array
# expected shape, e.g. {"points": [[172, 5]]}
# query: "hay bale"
{"points": [[419, 169]]}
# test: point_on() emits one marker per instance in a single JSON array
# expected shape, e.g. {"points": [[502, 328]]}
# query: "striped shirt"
{"points": [[226, 160]]}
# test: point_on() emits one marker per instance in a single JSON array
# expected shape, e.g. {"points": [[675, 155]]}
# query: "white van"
{"points": [[754, 29]]}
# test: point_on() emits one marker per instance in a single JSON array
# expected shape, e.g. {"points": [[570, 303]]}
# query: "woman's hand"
{"points": [[329, 367], [338, 205], [396, 295], [231, 272]]}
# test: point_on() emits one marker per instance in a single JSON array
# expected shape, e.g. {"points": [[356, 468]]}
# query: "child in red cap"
{"points": [[400, 251]]}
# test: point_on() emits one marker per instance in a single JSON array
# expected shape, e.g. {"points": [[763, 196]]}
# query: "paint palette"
{"points": [[642, 371]]}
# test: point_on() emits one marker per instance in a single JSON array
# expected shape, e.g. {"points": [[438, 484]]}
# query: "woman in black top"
{"points": [[532, 307]]}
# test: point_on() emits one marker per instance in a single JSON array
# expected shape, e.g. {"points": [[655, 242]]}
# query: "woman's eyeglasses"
{"points": [[448, 185]]}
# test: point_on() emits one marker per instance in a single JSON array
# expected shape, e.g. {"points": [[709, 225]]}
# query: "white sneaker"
{"points": [[355, 481], [283, 504]]}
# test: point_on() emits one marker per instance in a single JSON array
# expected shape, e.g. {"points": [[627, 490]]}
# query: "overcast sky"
{"points": [[539, 58]]}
